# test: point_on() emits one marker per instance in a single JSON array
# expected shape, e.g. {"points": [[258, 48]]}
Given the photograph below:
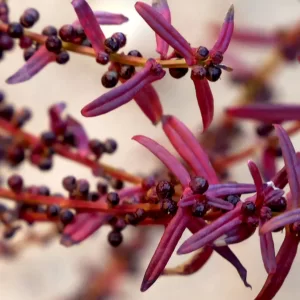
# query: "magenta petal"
{"points": [[57, 124], [194, 146], [290, 161], [225, 189], [219, 203], [125, 92], [189, 200], [284, 259], [166, 31], [107, 18], [267, 113], [162, 7], [35, 64], [225, 34], [90, 24], [165, 249], [256, 177], [268, 163], [166, 157], [205, 100], [148, 101]]}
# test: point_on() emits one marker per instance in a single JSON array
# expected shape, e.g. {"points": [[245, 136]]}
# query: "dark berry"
{"points": [[135, 53], [48, 138], [6, 42], [53, 211], [16, 155], [213, 73], [249, 208], [198, 185], [93, 196], [25, 42], [86, 43], [69, 138], [169, 207], [216, 57], [102, 58], [7, 112], [199, 209], [110, 79], [22, 117], [233, 199], [278, 205], [264, 130], [96, 147], [126, 71], [28, 53], [178, 72], [29, 17], [43, 190], [53, 44], [113, 198], [141, 214], [67, 33], [15, 30], [132, 219], [110, 146], [116, 184], [121, 38], [49, 31], [115, 238], [15, 182], [198, 72], [165, 189], [66, 216], [102, 188], [83, 186], [69, 183], [112, 45], [202, 53], [45, 164], [79, 31], [62, 57]]}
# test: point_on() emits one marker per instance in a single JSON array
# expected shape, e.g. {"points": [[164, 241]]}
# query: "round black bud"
{"points": [[48, 138], [25, 42], [199, 209], [264, 130], [83, 186], [115, 238], [45, 164], [110, 146], [213, 73], [28, 53], [178, 72], [110, 79], [93, 196], [165, 190], [6, 42], [126, 71], [102, 58], [96, 147], [67, 33], [248, 208], [113, 198], [198, 72], [66, 216], [116, 184], [7, 112], [169, 206], [121, 38], [198, 185], [62, 57], [86, 43], [53, 211], [216, 57], [112, 45], [43, 190], [16, 155], [49, 31], [202, 53], [15, 182], [102, 188], [53, 44], [79, 31], [69, 138], [135, 53], [29, 17], [69, 183], [233, 199], [15, 30], [278, 205], [132, 219]]}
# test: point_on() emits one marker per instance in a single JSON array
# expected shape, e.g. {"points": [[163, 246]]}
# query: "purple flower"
{"points": [[107, 18]]}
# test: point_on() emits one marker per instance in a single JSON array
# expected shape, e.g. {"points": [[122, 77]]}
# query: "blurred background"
{"points": [[55, 272]]}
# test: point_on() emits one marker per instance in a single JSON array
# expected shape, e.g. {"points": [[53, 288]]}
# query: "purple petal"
{"points": [[267, 113], [148, 101], [290, 161], [205, 100], [219, 203], [162, 7], [57, 124], [107, 18], [165, 249], [90, 24], [225, 189], [35, 64], [194, 147], [190, 200], [260, 197], [284, 260], [125, 92], [166, 158], [166, 31], [225, 34], [268, 163]]}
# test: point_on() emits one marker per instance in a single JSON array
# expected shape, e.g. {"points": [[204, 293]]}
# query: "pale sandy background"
{"points": [[54, 272]]}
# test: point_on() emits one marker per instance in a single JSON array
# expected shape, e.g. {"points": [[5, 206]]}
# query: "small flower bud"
{"points": [[248, 208], [202, 53], [233, 199], [121, 38], [110, 79], [135, 53], [213, 73], [111, 45], [102, 188], [15, 30], [53, 211], [164, 190], [115, 238], [53, 44], [49, 31], [69, 183], [66, 216], [110, 146], [113, 199], [198, 185], [62, 57], [15, 182], [199, 209], [178, 72]]}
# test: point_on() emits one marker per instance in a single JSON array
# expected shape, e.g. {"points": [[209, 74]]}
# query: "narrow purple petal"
{"points": [[199, 240], [256, 177], [162, 7], [193, 144], [284, 259], [290, 161], [35, 64], [125, 92], [225, 34], [268, 163], [227, 254], [219, 203], [190, 200], [165, 249], [267, 113], [90, 24], [225, 189], [205, 100], [107, 18], [166, 158], [148, 101], [166, 31], [57, 124], [194, 264]]}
